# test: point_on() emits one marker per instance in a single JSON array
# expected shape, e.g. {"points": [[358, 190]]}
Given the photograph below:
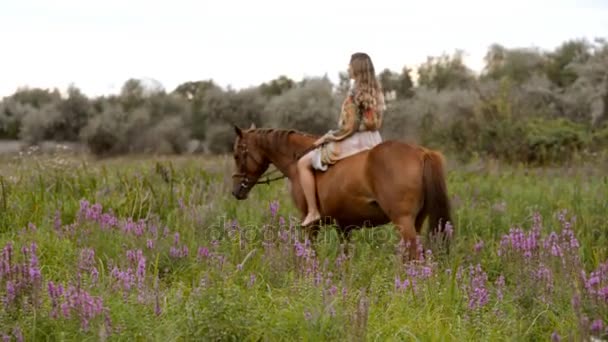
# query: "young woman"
{"points": [[359, 122]]}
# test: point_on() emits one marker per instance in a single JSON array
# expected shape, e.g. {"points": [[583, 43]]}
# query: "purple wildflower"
{"points": [[87, 260], [500, 284], [5, 260], [449, 229], [477, 291], [55, 293], [203, 252], [401, 286], [34, 269], [274, 208], [94, 274], [479, 246], [57, 221], [597, 326], [10, 292], [18, 334], [85, 306], [341, 259]]}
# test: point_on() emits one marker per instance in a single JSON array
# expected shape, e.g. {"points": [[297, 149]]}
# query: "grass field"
{"points": [[144, 249]]}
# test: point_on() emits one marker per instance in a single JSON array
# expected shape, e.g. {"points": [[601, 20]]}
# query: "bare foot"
{"points": [[310, 218]]}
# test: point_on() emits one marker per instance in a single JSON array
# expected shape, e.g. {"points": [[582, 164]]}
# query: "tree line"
{"points": [[526, 105]]}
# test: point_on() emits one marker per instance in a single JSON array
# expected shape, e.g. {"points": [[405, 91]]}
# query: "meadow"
{"points": [[156, 249]]}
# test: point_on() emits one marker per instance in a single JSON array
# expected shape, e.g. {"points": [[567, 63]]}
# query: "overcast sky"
{"points": [[97, 45]]}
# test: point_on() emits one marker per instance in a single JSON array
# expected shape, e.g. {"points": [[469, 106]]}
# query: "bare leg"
{"points": [[307, 180]]}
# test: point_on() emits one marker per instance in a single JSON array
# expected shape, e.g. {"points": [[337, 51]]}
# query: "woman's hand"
{"points": [[319, 141]]}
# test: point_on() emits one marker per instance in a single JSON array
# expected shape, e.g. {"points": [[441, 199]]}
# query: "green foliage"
{"points": [[107, 132], [37, 125], [553, 140], [277, 86], [195, 94], [248, 283], [401, 84], [600, 138], [558, 66], [75, 112], [221, 138], [445, 72], [517, 65], [310, 107], [11, 118], [35, 97], [495, 114]]}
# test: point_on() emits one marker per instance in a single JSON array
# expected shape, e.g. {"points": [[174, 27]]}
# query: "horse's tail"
{"points": [[436, 201]]}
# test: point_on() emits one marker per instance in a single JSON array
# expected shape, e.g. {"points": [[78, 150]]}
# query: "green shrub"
{"points": [[556, 140], [220, 138]]}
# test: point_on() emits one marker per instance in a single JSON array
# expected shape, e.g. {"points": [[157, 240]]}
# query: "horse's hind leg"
{"points": [[420, 220], [405, 225], [402, 213]]}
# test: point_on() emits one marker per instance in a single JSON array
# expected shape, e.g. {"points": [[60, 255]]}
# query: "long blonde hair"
{"points": [[368, 91]]}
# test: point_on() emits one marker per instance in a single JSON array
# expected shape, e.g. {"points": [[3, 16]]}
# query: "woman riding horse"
{"points": [[359, 122]]}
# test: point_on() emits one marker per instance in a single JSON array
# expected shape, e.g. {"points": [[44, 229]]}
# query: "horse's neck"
{"points": [[283, 152]]}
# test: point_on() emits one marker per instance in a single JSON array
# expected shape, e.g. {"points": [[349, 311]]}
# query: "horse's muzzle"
{"points": [[239, 195], [240, 191]]}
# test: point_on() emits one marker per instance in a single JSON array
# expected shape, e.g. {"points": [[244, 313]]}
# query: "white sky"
{"points": [[97, 45]]}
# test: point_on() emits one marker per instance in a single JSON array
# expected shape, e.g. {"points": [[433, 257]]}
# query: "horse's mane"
{"points": [[280, 132], [276, 138]]}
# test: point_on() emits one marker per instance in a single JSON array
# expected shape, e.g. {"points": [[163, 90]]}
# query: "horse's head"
{"points": [[250, 163]]}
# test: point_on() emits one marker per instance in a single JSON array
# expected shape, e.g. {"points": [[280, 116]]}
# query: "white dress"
{"points": [[358, 142]]}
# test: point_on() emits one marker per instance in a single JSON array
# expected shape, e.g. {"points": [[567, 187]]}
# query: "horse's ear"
{"points": [[238, 131], [252, 126]]}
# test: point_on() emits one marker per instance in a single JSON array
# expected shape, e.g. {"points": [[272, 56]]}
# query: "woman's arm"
{"points": [[348, 122]]}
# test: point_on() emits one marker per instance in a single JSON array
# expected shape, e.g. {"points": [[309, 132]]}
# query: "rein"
{"points": [[269, 180]]}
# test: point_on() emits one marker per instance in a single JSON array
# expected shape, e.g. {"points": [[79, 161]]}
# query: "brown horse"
{"points": [[393, 182]]}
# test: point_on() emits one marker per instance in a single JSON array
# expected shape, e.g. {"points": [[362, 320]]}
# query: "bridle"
{"points": [[245, 182]]}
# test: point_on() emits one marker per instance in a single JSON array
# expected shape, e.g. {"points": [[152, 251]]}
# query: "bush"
{"points": [[548, 141], [311, 108], [37, 124], [106, 133], [11, 115], [599, 138], [158, 125], [221, 138], [169, 136]]}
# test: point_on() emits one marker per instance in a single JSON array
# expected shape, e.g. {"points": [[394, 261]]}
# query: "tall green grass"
{"points": [[213, 268]]}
